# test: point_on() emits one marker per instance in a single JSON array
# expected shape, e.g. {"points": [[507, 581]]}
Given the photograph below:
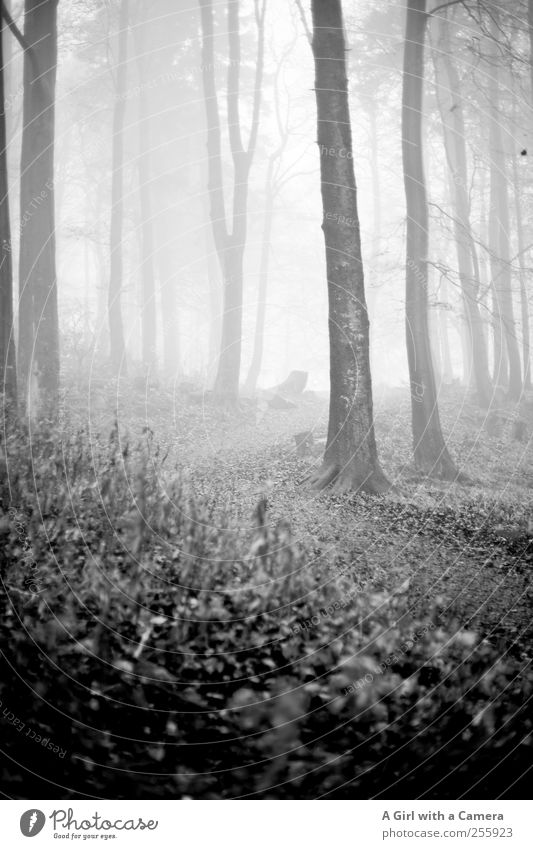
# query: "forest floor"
{"points": [[215, 628], [469, 545]]}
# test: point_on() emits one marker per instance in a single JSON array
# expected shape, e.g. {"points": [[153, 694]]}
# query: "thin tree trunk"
{"points": [[451, 111], [500, 247], [272, 186], [484, 274], [230, 245], [372, 289], [524, 305], [8, 385], [215, 324], [447, 370], [430, 451], [260, 319], [148, 303], [350, 459], [434, 337], [38, 316], [170, 328], [117, 348], [530, 31]]}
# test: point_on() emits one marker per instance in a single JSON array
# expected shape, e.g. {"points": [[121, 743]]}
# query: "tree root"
{"points": [[348, 479]]}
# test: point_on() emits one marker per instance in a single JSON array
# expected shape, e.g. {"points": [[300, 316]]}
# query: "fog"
{"points": [[266, 513], [164, 90]]}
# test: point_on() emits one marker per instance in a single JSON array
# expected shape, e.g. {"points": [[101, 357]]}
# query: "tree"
{"points": [[430, 451], [8, 385], [148, 303], [505, 331], [117, 348], [450, 103], [273, 184], [230, 245], [350, 459], [530, 33], [522, 276], [38, 356]]}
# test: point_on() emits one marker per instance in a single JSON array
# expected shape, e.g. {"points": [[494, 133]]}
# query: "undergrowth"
{"points": [[153, 648]]}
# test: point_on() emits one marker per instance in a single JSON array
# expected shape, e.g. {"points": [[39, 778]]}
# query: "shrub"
{"points": [[152, 650]]}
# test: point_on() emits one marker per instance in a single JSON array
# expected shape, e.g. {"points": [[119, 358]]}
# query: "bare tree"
{"points": [[350, 459], [522, 275], [230, 244], [38, 356], [8, 385], [117, 348], [430, 451], [273, 183], [148, 303], [505, 329], [450, 102]]}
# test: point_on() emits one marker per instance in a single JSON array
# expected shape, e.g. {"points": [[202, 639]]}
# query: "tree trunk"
{"points": [[451, 111], [447, 370], [8, 385], [148, 303], [483, 272], [500, 247], [260, 319], [530, 31], [350, 459], [170, 328], [229, 245], [372, 289], [117, 348], [430, 451], [38, 318], [524, 305], [215, 310]]}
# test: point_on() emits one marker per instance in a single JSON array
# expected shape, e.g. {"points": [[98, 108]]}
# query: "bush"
{"points": [[150, 650]]}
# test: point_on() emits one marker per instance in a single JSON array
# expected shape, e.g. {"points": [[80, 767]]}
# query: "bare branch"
{"points": [[260, 19], [445, 6], [304, 22], [27, 48]]}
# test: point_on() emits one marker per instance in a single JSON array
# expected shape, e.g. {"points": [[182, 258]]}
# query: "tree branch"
{"points": [[260, 20], [445, 6], [27, 48], [304, 22], [14, 29], [234, 41]]}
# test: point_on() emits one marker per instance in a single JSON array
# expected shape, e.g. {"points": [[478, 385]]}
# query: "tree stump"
{"points": [[293, 385]]}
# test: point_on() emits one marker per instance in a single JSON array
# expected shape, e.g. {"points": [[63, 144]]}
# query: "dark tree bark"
{"points": [[117, 349], [230, 245], [505, 329], [430, 451], [8, 372], [148, 303], [451, 110], [350, 459], [38, 357]]}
